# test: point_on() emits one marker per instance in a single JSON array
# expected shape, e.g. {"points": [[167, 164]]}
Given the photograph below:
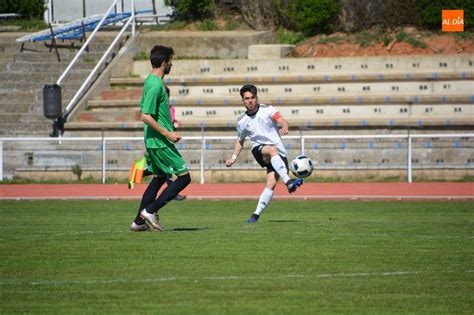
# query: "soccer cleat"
{"points": [[179, 198], [151, 220], [138, 227], [254, 218], [292, 184]]}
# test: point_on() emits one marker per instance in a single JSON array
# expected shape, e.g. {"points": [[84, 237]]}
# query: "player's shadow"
{"points": [[285, 221], [187, 229]]}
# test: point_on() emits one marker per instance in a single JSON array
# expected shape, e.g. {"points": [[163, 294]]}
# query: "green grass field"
{"points": [[303, 257]]}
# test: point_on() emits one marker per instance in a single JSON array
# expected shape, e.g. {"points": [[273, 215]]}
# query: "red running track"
{"points": [[309, 191]]}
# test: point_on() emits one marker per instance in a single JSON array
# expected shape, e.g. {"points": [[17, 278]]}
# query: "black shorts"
{"points": [[257, 154]]}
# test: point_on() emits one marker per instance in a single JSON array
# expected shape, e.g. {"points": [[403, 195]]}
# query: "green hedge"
{"points": [[430, 12], [192, 10], [308, 16], [29, 9]]}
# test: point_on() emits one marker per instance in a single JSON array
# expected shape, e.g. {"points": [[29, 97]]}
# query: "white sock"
{"points": [[264, 200], [280, 168]]}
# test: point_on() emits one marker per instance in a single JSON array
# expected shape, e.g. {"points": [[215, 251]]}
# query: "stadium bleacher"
{"points": [[319, 96], [397, 91], [23, 75]]}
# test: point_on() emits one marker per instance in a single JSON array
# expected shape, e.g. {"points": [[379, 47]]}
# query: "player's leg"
{"points": [[166, 159], [265, 197], [170, 192], [178, 197], [169, 180], [148, 197], [271, 155], [147, 172]]}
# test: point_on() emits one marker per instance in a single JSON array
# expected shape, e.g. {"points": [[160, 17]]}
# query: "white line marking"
{"points": [[6, 282], [253, 197], [462, 237], [252, 230], [45, 236]]}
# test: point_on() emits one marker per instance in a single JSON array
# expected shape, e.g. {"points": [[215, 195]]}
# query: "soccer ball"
{"points": [[301, 166]]}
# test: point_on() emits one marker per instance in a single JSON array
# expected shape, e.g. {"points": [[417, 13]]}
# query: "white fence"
{"points": [[203, 140], [60, 11]]}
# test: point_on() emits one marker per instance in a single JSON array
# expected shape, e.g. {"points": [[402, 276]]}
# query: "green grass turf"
{"points": [[303, 257]]}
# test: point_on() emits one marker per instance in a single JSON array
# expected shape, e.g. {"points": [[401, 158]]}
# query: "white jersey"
{"points": [[261, 128]]}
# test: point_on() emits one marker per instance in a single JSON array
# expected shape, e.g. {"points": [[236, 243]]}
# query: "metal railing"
{"points": [[204, 140], [59, 123], [78, 94]]}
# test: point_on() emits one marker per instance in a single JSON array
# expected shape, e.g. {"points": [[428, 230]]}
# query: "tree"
{"points": [[260, 15], [355, 15], [308, 16], [29, 9]]}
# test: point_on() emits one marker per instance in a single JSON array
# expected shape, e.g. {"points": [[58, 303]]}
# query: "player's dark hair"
{"points": [[159, 54], [248, 88]]}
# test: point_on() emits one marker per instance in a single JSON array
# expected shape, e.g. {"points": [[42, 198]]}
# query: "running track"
{"points": [[309, 191]]}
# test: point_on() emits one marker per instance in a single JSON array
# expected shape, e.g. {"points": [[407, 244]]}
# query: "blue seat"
{"points": [[75, 30]]}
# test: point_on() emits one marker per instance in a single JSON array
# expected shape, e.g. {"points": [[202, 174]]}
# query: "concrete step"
{"points": [[403, 122], [40, 67], [293, 78], [116, 131], [323, 66], [44, 77], [7, 57], [18, 97], [231, 113], [40, 47], [22, 82], [98, 126], [22, 117], [38, 86], [51, 57], [305, 89], [98, 132], [34, 99], [116, 115], [40, 129], [14, 108], [296, 100]]}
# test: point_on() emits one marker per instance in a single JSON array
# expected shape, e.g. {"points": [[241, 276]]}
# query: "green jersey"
{"points": [[155, 103]]}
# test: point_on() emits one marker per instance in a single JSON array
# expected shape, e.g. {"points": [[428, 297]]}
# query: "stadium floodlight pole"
{"points": [[86, 44]]}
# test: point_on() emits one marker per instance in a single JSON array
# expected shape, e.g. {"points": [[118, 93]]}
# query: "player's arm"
{"points": [[239, 144], [283, 123], [152, 123]]}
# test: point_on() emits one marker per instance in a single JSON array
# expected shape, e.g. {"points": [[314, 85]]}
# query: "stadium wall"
{"points": [[258, 175]]}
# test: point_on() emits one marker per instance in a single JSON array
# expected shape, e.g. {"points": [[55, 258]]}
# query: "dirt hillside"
{"points": [[341, 45]]}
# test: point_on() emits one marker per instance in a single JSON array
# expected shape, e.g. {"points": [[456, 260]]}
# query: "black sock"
{"points": [[146, 173], [149, 196], [169, 193], [255, 216]]}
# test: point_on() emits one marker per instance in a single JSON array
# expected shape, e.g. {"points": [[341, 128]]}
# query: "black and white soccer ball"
{"points": [[301, 166]]}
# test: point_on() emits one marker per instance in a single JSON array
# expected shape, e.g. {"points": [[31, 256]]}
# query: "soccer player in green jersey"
{"points": [[160, 138]]}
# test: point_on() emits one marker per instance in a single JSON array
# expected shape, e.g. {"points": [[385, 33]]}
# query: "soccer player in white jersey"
{"points": [[260, 123]]}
